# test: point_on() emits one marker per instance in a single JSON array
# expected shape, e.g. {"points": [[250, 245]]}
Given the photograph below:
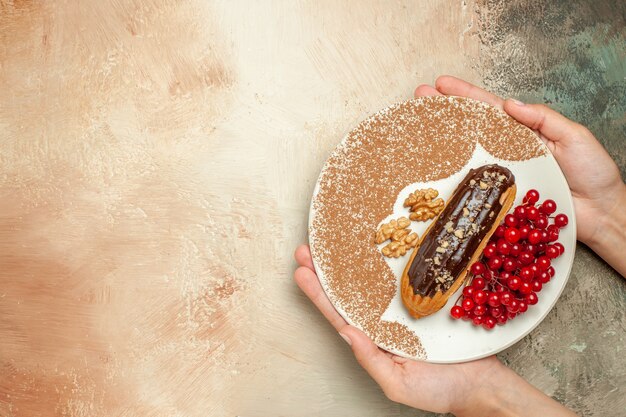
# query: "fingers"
{"points": [[310, 285], [424, 90], [303, 256], [380, 366], [551, 124], [453, 86]]}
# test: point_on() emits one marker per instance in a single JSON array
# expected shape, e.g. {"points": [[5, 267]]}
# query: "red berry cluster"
{"points": [[514, 266]]}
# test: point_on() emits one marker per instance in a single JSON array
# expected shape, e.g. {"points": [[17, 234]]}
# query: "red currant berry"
{"points": [[516, 248], [469, 291], [548, 207], [489, 323], [543, 263], [510, 220], [495, 263], [535, 269], [553, 236], [531, 299], [536, 285], [502, 319], [552, 228], [544, 277], [493, 300], [499, 288], [560, 247], [523, 306], [525, 288], [526, 257], [490, 251], [534, 236], [509, 265], [526, 274], [480, 297], [499, 232], [513, 306], [505, 275], [506, 298], [467, 304], [479, 283], [520, 212], [545, 236], [457, 312], [514, 283], [478, 320], [542, 222], [496, 311], [561, 220], [468, 316], [532, 213], [541, 247], [480, 310], [530, 248], [512, 235], [510, 315], [532, 196], [503, 247], [478, 268], [524, 231], [551, 271], [552, 251]]}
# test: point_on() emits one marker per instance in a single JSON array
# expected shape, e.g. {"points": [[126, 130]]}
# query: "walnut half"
{"points": [[424, 204], [402, 239]]}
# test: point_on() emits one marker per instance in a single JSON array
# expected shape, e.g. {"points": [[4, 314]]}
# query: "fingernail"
{"points": [[519, 103], [346, 338]]}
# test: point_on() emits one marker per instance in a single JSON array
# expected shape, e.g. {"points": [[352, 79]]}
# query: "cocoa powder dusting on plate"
{"points": [[420, 140]]}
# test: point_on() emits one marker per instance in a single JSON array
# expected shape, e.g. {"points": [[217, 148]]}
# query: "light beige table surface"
{"points": [[157, 161]]}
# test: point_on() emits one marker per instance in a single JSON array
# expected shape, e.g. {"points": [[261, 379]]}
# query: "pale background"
{"points": [[156, 164]]}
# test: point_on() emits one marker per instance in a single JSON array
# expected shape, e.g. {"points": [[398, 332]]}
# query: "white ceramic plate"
{"points": [[450, 341]]}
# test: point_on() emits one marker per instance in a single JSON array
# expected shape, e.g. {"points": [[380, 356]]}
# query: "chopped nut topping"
{"points": [[465, 212], [483, 185], [487, 205], [491, 214], [440, 250], [474, 227], [472, 182], [458, 233], [493, 175], [501, 178], [485, 174], [444, 244], [436, 260]]}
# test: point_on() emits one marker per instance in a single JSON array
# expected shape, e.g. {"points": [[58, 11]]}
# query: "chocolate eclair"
{"points": [[456, 238]]}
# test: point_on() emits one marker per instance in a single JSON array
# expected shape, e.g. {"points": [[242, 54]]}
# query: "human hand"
{"points": [[437, 388], [594, 179]]}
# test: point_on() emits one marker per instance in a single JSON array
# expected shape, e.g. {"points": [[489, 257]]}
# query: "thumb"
{"points": [[539, 117], [380, 366]]}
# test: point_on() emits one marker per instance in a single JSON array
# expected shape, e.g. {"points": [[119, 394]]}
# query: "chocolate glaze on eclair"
{"points": [[456, 237]]}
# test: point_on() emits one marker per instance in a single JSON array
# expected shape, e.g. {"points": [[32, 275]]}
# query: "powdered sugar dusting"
{"points": [[420, 140]]}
